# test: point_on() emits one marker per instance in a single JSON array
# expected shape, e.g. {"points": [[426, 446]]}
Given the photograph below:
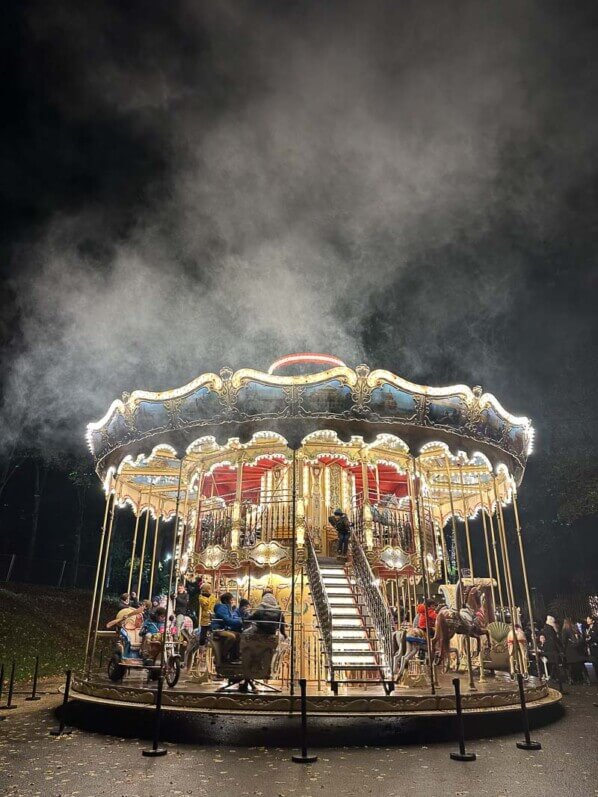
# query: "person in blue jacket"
{"points": [[227, 627]]}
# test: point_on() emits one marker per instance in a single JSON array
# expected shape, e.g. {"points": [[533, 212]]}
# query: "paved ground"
{"points": [[378, 757]]}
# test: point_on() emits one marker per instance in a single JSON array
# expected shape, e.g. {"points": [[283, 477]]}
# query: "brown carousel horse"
{"points": [[471, 620]]}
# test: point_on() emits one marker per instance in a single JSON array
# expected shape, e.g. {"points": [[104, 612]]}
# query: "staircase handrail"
{"points": [[374, 602], [320, 599]]}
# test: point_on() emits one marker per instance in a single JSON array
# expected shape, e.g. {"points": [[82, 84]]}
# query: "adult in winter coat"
{"points": [[551, 647], [592, 640], [342, 524], [574, 650]]}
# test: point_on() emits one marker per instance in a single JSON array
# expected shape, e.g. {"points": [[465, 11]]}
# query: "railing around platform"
{"points": [[320, 599], [272, 519], [370, 595], [392, 527]]}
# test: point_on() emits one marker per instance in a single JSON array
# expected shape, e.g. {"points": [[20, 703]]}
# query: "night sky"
{"points": [[189, 185]]}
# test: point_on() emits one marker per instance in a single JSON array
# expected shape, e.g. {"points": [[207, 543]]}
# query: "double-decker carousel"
{"points": [[234, 481]]}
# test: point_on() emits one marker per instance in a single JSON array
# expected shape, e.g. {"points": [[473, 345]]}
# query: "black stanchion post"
{"points": [[304, 758], [462, 755], [155, 749], [101, 659], [11, 686], [33, 695], [62, 727], [528, 744]]}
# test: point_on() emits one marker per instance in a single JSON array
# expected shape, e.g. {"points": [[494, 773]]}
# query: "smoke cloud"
{"points": [[377, 180]]}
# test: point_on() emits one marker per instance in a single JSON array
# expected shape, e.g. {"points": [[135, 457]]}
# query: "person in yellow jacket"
{"points": [[207, 601]]}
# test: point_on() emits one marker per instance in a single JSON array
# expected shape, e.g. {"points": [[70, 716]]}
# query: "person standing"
{"points": [[592, 641], [342, 524], [552, 648], [207, 601], [573, 647]]}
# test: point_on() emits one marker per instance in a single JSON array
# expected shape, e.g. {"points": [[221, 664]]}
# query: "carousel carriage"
{"points": [[135, 652]]}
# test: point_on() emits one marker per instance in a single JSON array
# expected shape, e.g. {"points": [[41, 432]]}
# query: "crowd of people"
{"points": [[195, 614], [566, 649]]}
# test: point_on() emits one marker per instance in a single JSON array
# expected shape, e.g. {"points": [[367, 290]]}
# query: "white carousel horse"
{"points": [[409, 642]]}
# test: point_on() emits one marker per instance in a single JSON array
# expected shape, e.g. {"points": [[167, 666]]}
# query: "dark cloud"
{"points": [[200, 184]]}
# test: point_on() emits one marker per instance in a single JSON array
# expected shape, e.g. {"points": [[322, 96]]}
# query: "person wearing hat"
{"points": [[342, 524]]}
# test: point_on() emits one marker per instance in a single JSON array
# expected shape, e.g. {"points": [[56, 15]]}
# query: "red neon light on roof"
{"points": [[305, 357]]}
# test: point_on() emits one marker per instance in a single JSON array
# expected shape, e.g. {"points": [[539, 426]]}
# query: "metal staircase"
{"points": [[354, 652]]}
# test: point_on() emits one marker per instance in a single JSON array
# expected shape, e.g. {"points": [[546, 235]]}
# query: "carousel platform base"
{"points": [[494, 695]]}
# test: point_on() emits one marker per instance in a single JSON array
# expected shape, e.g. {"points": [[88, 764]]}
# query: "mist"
{"points": [[376, 180]]}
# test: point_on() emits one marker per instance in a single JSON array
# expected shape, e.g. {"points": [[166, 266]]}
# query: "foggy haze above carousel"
{"points": [[253, 465]]}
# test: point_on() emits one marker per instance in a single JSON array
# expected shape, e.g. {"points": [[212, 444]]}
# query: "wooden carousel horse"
{"points": [[471, 620]]}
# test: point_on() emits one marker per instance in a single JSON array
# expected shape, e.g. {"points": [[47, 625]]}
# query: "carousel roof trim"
{"points": [[340, 394]]}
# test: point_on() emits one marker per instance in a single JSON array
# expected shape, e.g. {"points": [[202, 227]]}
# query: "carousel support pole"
{"points": [[87, 664], [154, 551], [133, 549], [302, 648], [486, 543], [103, 581], [172, 563], [200, 483], [142, 557], [495, 554], [517, 656], [293, 566], [466, 521], [404, 603], [472, 685], [526, 583], [470, 556], [417, 489]]}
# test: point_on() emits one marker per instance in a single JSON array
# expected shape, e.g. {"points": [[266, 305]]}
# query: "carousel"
{"points": [[376, 518]]}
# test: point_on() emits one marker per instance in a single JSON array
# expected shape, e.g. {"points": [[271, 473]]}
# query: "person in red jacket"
{"points": [[427, 611]]}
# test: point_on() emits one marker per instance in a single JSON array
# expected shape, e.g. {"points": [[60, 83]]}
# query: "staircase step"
{"points": [[351, 645], [353, 652], [341, 600], [339, 591], [335, 581], [351, 632], [333, 571], [346, 622], [356, 666]]}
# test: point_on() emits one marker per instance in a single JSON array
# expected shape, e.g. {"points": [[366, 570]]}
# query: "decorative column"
{"points": [[368, 519], [236, 514], [147, 517], [300, 501]]}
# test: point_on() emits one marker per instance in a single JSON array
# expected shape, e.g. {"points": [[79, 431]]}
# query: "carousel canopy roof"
{"points": [[295, 398]]}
